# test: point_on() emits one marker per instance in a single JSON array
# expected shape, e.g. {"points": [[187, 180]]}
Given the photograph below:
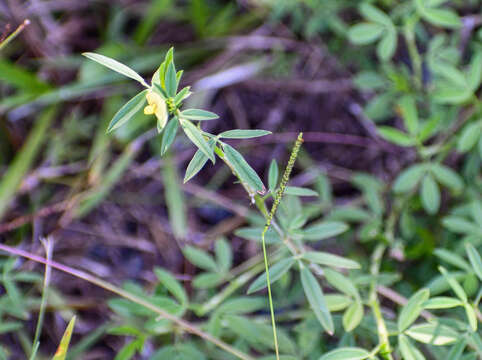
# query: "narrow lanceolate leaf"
{"points": [[171, 80], [395, 136], [243, 169], [454, 284], [324, 258], [453, 259], [169, 135], [353, 316], [409, 352], [126, 112], [172, 285], [315, 297], [195, 135], [412, 309], [342, 283], [347, 353], [469, 137], [475, 260], [273, 175], [365, 33], [243, 134], [275, 272], [195, 165], [116, 66], [471, 316], [198, 114], [447, 177], [409, 178], [324, 230], [442, 302], [430, 195], [300, 191], [433, 333], [200, 258], [61, 352], [408, 109]]}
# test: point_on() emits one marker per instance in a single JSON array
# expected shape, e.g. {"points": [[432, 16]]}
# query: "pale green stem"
{"points": [[14, 34], [385, 349]]}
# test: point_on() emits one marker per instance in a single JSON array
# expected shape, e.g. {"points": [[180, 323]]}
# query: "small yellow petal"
{"points": [[161, 114], [150, 109], [153, 98]]}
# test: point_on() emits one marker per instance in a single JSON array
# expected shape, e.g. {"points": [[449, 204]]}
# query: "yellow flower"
{"points": [[157, 106]]}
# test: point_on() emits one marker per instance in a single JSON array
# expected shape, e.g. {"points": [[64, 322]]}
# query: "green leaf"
{"points": [[275, 272], [342, 283], [447, 177], [353, 316], [61, 352], [315, 297], [198, 114], [207, 280], [195, 135], [408, 109], [460, 225], [299, 191], [182, 95], [430, 195], [452, 258], [365, 33], [324, 258], [254, 234], [200, 258], [116, 66], [475, 259], [409, 178], [127, 112], [433, 333], [469, 137], [273, 175], [337, 302], [224, 256], [442, 17], [243, 170], [387, 45], [172, 285], [412, 309], [409, 352], [195, 165], [474, 76], [374, 14], [471, 316], [346, 353], [395, 136], [324, 230], [171, 80], [454, 284], [442, 302], [243, 134], [169, 135]]}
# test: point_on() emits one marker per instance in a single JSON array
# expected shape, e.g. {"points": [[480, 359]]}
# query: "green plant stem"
{"points": [[385, 349], [184, 325], [409, 32], [48, 245], [277, 200], [13, 35]]}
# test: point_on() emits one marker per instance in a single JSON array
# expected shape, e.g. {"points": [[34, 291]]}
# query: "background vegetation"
{"points": [[374, 250]]}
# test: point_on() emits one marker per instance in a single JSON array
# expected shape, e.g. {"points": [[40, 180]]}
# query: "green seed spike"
{"points": [[277, 200]]}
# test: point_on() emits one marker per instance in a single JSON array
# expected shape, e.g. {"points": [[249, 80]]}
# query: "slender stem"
{"points": [[186, 326], [48, 245], [14, 34], [277, 200], [385, 349]]}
